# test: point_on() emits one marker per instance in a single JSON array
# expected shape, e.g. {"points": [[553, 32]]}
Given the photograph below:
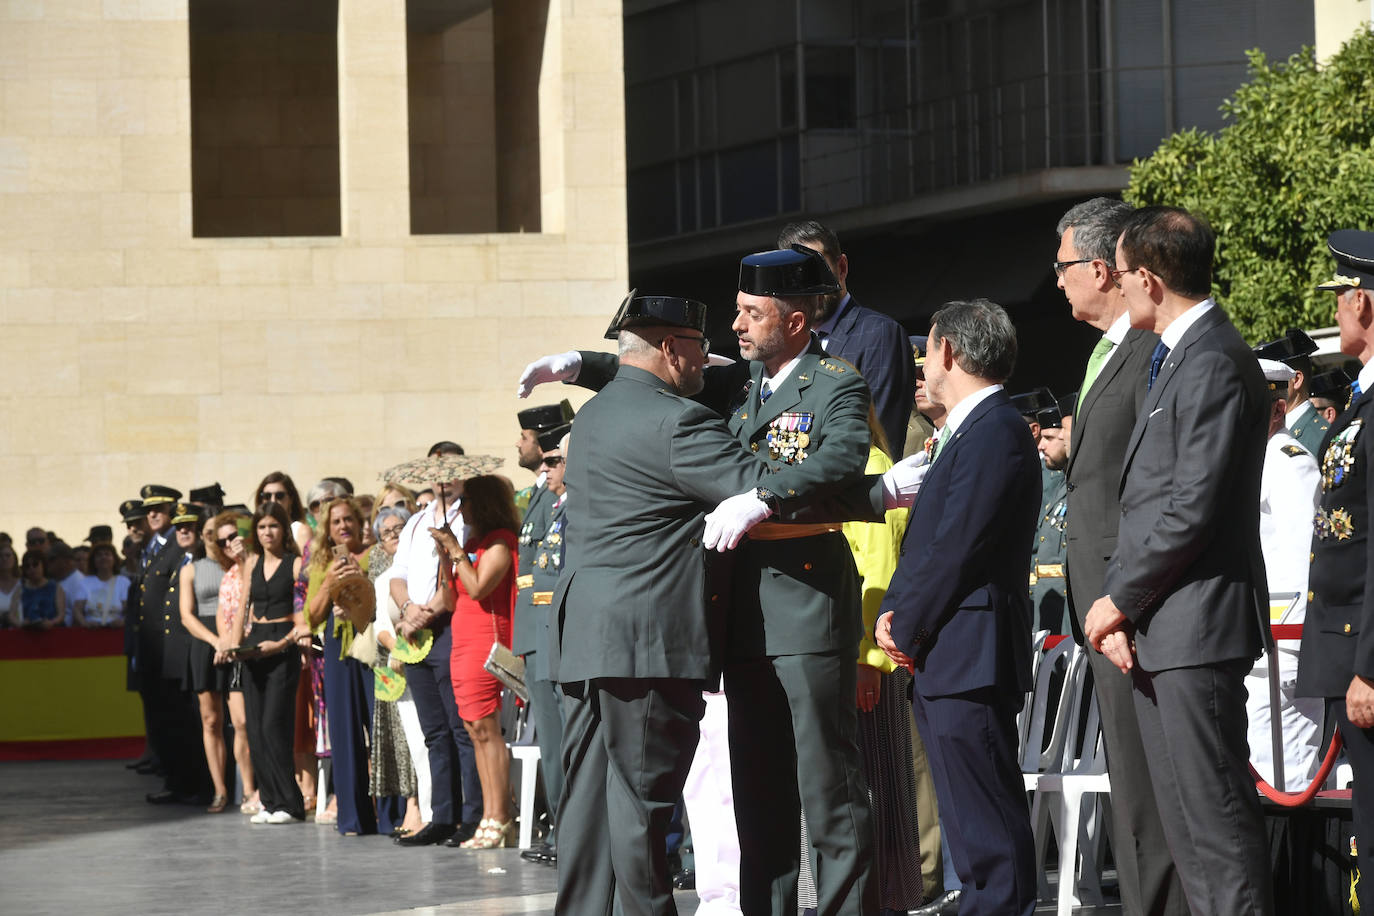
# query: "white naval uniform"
{"points": [[1288, 502]]}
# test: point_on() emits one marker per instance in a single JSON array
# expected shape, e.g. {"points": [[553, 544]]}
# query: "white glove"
{"points": [[902, 481], [561, 367], [715, 359], [732, 519]]}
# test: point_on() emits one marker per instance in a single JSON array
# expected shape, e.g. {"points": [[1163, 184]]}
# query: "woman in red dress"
{"points": [[483, 587]]}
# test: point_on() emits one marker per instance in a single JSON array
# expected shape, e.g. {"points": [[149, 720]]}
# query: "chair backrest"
{"points": [[1023, 717], [1085, 752], [1056, 661]]}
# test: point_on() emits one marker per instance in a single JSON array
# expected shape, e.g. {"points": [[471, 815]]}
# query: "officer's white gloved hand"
{"points": [[902, 481], [732, 519], [561, 367], [715, 359]]}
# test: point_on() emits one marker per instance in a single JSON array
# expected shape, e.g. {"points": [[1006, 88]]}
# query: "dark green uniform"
{"points": [[531, 621], [1310, 429], [1049, 607]]}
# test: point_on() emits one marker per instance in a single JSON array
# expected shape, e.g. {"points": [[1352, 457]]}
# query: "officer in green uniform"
{"points": [[1049, 607], [533, 421], [1331, 393], [531, 615], [1295, 350]]}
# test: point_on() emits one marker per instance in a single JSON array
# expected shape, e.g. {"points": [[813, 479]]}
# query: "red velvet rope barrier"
{"points": [[1298, 799]]}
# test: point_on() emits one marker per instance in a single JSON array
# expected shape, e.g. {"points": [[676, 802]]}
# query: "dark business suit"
{"points": [[961, 611], [1338, 637], [881, 350], [1189, 574], [1101, 428], [638, 621]]}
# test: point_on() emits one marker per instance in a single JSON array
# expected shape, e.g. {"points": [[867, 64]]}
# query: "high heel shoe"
{"points": [[492, 834]]}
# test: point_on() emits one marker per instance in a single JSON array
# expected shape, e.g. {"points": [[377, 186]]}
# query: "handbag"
{"points": [[364, 646], [508, 668]]}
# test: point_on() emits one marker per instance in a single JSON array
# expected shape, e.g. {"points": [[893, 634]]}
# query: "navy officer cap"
{"points": [[550, 438], [672, 311], [187, 512], [1353, 250], [786, 272], [920, 348], [1333, 385], [155, 494], [1293, 345], [545, 416], [131, 510]]}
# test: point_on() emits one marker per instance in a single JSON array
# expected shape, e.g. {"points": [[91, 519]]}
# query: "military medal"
{"points": [[1333, 523], [543, 561], [1339, 458]]}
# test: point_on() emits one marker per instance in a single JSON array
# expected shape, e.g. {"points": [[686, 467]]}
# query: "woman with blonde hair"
{"points": [[337, 552], [203, 588]]}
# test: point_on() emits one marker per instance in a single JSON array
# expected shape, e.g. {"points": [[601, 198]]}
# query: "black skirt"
{"points": [[202, 672]]}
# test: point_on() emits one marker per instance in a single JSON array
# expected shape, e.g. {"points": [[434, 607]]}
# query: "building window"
{"points": [[264, 118]]}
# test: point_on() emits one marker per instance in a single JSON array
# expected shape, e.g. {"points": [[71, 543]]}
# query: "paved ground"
{"points": [[77, 837]]}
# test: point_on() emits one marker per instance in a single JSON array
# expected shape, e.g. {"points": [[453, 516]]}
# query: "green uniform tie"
{"points": [[940, 442]]}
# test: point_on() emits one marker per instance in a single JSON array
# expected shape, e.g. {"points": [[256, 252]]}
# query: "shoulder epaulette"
{"points": [[1293, 451], [837, 366]]}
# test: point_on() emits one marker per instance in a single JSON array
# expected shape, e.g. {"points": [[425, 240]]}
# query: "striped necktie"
{"points": [[765, 393]]}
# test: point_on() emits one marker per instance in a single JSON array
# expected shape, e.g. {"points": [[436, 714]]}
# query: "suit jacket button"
{"points": [[1347, 628], [1311, 557], [753, 446], [1311, 595]]}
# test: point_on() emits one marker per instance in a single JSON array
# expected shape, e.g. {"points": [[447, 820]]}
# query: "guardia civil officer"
{"points": [[534, 421], [532, 609], [637, 614], [1331, 393], [1288, 499], [1049, 606], [1295, 350], [1337, 656]]}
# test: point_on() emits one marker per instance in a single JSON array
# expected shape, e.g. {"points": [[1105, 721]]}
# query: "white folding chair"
{"points": [[525, 751], [1058, 802], [1023, 717], [1036, 753]]}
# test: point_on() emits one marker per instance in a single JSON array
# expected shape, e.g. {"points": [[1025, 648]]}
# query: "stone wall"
{"points": [[133, 351]]}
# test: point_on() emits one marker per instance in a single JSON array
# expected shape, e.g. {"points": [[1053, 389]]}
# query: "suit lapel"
{"points": [[1166, 373], [1115, 363], [786, 396], [745, 412]]}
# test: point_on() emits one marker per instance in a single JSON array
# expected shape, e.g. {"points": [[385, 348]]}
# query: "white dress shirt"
{"points": [[417, 556]]}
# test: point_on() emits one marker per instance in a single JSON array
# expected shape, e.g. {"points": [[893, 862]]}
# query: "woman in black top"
{"points": [[272, 663]]}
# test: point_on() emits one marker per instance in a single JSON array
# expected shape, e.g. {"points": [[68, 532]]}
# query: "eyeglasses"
{"points": [[315, 506], [552, 461], [398, 504], [389, 533], [279, 496], [1116, 275], [1061, 266], [702, 342]]}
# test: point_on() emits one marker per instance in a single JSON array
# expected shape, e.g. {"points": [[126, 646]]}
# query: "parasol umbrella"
{"points": [[423, 471]]}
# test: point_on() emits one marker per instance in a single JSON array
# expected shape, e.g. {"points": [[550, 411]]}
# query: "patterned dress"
{"points": [[392, 772]]}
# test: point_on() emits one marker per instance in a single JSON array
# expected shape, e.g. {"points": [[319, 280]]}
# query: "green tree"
{"points": [[1294, 163]]}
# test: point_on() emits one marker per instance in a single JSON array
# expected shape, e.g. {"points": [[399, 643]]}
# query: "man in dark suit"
{"points": [[874, 343], [1109, 399], [1337, 657], [957, 610], [1185, 588], [638, 615]]}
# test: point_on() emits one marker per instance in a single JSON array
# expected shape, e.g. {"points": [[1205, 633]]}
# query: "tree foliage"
{"points": [[1294, 163]]}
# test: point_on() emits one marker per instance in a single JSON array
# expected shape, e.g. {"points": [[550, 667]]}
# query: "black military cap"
{"points": [[212, 495], [1293, 345], [155, 494], [99, 534], [546, 416], [920, 347], [673, 311], [237, 509], [550, 438], [1353, 250], [1068, 404], [131, 510], [1333, 385], [186, 512], [795, 271], [1039, 405]]}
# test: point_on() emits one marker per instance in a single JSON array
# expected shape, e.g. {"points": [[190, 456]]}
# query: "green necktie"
{"points": [[1100, 354], [940, 442]]}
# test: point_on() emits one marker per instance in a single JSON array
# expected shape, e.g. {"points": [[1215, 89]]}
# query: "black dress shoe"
{"points": [[685, 879], [543, 854], [945, 905], [168, 797], [430, 835]]}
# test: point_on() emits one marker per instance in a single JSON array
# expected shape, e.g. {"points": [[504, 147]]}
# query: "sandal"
{"points": [[217, 804], [491, 834], [251, 805]]}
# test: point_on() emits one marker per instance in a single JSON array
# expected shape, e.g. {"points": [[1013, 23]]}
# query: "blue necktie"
{"points": [[765, 393], [1156, 360], [1355, 387]]}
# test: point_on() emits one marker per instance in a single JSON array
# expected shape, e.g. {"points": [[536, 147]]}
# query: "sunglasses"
{"points": [[279, 496], [553, 461], [225, 542], [188, 526]]}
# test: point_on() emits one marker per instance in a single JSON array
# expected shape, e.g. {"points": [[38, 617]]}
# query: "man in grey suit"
{"points": [[638, 615], [1109, 400], [1185, 588]]}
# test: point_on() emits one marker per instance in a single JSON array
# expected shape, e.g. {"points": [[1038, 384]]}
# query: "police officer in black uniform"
{"points": [[1295, 350]]}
